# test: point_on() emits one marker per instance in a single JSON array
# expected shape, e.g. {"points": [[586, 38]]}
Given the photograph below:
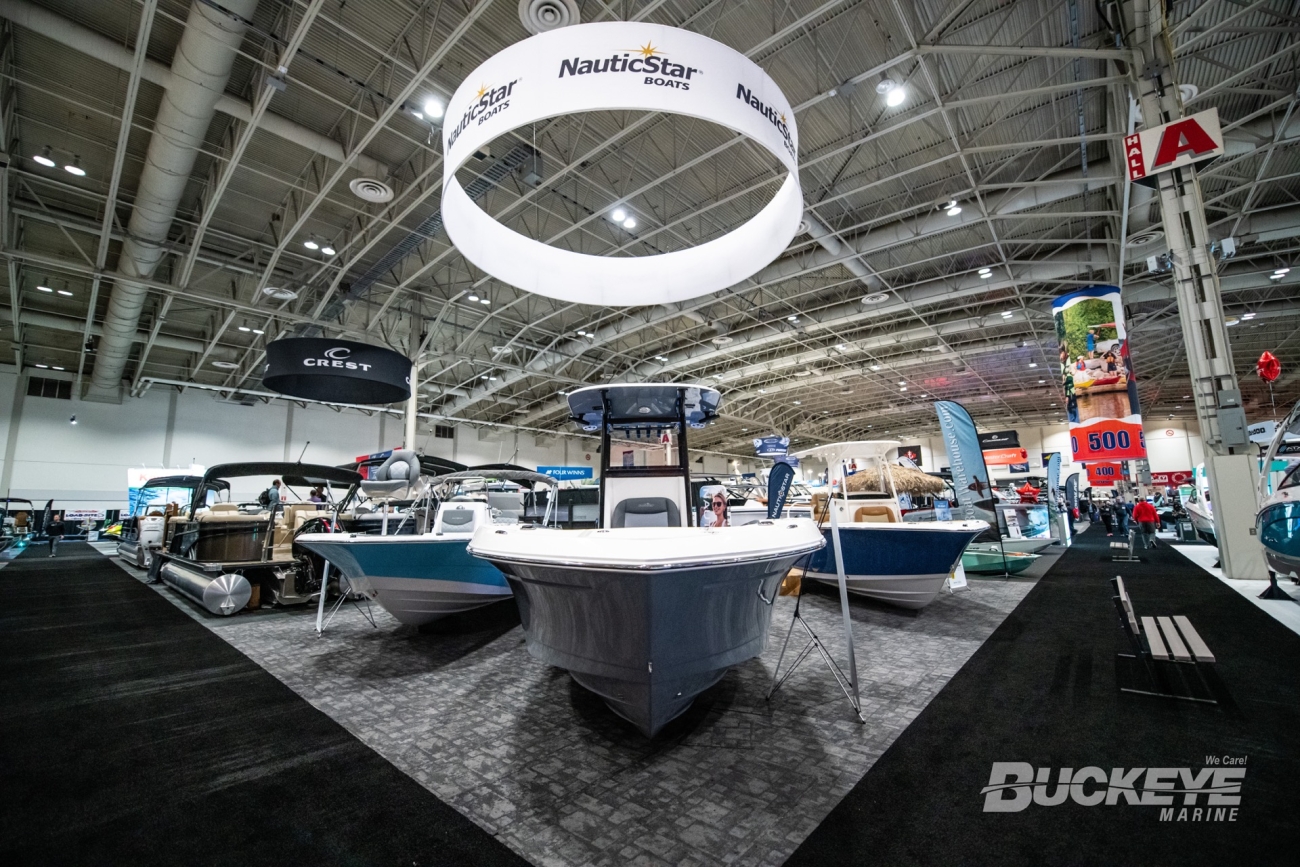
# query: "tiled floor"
{"points": [[1286, 613], [543, 764]]}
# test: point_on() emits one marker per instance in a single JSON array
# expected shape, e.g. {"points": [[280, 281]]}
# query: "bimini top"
{"points": [[488, 474], [847, 451], [190, 482], [633, 404], [292, 473]]}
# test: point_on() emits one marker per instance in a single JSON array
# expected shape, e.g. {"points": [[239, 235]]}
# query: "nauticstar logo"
{"points": [[336, 357], [647, 60], [1207, 794], [774, 117], [488, 102]]}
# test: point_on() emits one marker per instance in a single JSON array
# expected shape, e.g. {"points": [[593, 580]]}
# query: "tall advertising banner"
{"points": [[1100, 387], [1072, 491], [1053, 476], [970, 478]]}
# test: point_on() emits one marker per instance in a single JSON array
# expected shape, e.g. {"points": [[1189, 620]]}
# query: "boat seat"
{"points": [[874, 515], [463, 517], [646, 512], [224, 507], [397, 478], [230, 517]]}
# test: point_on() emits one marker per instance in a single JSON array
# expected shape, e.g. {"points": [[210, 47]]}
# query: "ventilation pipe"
{"points": [[200, 71], [69, 34]]}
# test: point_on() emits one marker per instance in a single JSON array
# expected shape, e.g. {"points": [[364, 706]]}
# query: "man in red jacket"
{"points": [[1145, 515]]}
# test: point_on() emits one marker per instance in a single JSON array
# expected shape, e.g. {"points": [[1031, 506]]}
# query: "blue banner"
{"points": [[1072, 491], [1053, 476], [788, 459], [970, 478], [771, 446], [566, 474]]}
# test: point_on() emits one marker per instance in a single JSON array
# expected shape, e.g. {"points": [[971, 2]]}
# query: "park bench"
{"points": [[1164, 645]]}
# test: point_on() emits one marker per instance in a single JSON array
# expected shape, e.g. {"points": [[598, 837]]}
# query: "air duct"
{"points": [[69, 34], [200, 70]]}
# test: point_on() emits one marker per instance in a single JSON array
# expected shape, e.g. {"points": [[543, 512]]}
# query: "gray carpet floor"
{"points": [[528, 755]]}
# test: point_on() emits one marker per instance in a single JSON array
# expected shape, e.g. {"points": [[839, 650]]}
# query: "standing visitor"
{"points": [[1145, 515], [273, 498], [1107, 519], [55, 532]]}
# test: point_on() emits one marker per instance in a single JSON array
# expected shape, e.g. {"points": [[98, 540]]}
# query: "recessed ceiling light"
{"points": [[74, 168], [44, 158], [44, 289], [432, 108]]}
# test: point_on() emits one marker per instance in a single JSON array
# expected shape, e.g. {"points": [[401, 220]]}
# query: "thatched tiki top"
{"points": [[906, 481]]}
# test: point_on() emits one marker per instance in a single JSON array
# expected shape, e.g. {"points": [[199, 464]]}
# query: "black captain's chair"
{"points": [[646, 512]]}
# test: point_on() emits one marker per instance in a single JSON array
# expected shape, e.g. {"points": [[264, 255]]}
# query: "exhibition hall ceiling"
{"points": [[942, 215]]}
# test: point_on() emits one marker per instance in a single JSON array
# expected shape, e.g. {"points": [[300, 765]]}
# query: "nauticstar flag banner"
{"points": [[970, 478], [1100, 387]]}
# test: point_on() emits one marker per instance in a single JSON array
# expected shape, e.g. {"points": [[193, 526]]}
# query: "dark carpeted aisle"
{"points": [[130, 734], [1042, 691]]}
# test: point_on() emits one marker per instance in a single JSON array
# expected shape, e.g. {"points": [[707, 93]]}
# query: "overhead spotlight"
{"points": [[954, 210], [1281, 271], [1276, 276], [875, 367], [792, 318], [885, 85], [1033, 364], [65, 293], [55, 367], [245, 328], [432, 108], [258, 331], [327, 250], [618, 215], [1041, 381], [484, 301], [894, 94], [44, 366], [74, 167], [44, 289], [475, 298], [311, 244], [1248, 316], [45, 158], [798, 403], [629, 223], [1007, 314]]}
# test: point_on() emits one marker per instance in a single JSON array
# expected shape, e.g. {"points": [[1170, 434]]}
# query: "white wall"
{"points": [[43, 456]]}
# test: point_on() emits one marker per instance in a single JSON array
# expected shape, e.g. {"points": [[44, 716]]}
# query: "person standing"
{"points": [[55, 532], [1092, 342], [1145, 515], [273, 497], [1107, 519]]}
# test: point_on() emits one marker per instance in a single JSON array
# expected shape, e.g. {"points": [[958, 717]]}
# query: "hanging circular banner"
{"points": [[619, 66], [341, 371]]}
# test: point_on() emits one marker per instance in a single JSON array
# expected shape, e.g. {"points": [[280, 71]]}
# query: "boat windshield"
{"points": [[1291, 479]]}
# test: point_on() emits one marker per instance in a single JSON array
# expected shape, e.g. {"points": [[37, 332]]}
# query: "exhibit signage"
{"points": [[566, 474], [619, 66], [341, 371], [1175, 477], [912, 453], [1261, 431], [1097, 374], [970, 478], [1007, 457], [999, 439], [1173, 144], [771, 446], [1104, 474]]}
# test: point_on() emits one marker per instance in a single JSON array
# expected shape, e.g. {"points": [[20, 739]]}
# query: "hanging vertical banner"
{"points": [[1072, 491], [970, 478], [1053, 476], [1100, 388]]}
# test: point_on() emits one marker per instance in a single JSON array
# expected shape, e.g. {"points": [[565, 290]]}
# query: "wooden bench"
{"points": [[1161, 640]]}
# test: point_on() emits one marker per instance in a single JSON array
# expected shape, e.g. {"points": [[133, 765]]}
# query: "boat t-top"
{"points": [[885, 558], [158, 500], [423, 574], [649, 609]]}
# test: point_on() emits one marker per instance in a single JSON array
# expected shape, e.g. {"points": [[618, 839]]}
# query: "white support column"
{"points": [[1200, 307]]}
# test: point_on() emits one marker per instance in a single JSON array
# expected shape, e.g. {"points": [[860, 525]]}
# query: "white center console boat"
{"points": [[649, 610]]}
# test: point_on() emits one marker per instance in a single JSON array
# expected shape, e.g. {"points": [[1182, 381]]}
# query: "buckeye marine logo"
{"points": [[649, 61]]}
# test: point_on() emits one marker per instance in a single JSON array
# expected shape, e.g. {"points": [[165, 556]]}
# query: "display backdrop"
{"points": [[970, 478], [1100, 389], [619, 66]]}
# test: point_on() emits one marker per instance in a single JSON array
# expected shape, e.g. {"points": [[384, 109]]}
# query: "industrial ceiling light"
{"points": [[433, 108], [328, 250], [629, 223], [56, 367], [875, 298], [74, 167], [618, 215], [895, 96], [72, 420], [1033, 364], [475, 298], [885, 85], [44, 289], [279, 293], [875, 367], [1248, 316], [798, 403], [1281, 271], [44, 366], [1007, 314], [65, 293], [225, 365], [792, 318], [245, 329], [484, 301], [45, 158], [953, 210], [258, 331], [311, 244]]}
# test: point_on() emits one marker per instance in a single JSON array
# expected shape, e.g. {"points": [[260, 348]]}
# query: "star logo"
{"points": [[648, 50], [783, 118], [482, 89]]}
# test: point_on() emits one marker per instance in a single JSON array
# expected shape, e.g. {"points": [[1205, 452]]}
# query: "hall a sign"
{"points": [[619, 66], [1177, 143]]}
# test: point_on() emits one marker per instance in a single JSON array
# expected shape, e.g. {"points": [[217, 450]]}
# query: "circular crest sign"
{"points": [[345, 371], [619, 66]]}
